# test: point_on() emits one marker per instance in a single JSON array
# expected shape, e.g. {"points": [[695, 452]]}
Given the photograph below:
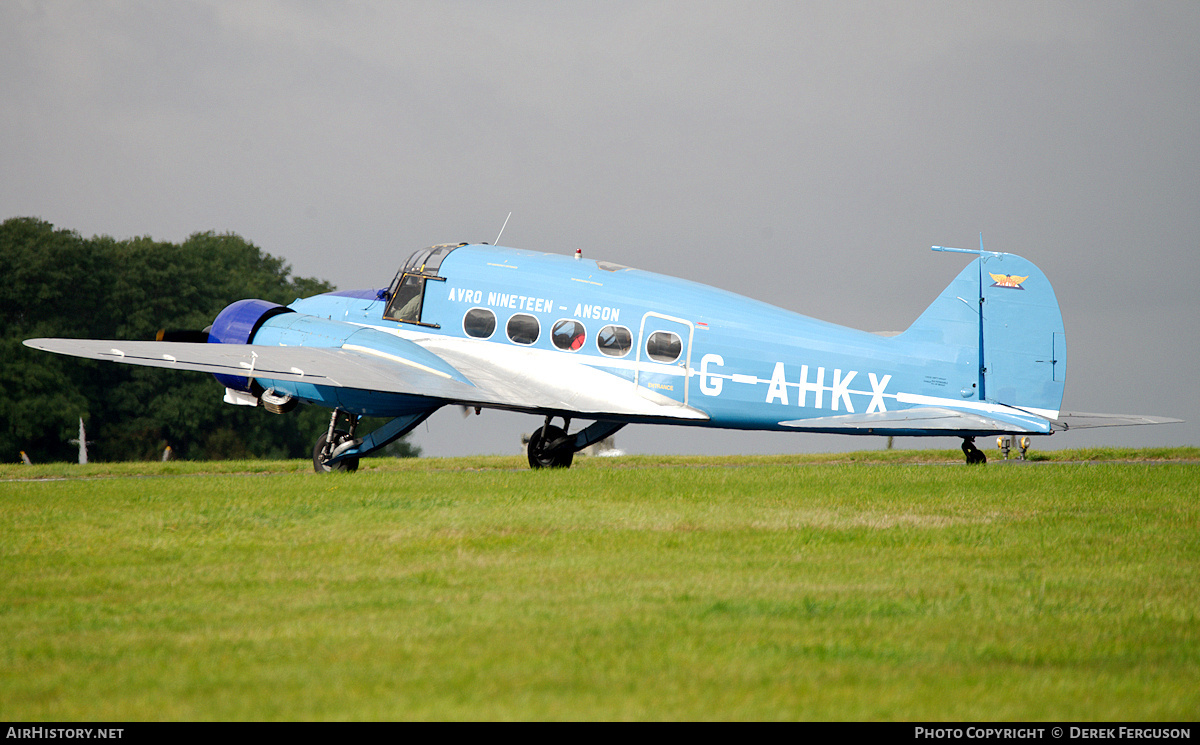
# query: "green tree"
{"points": [[60, 284], [51, 283]]}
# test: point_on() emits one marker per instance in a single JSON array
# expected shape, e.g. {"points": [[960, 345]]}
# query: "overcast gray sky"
{"points": [[803, 153]]}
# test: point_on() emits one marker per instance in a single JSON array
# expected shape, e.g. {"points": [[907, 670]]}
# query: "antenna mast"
{"points": [[502, 227]]}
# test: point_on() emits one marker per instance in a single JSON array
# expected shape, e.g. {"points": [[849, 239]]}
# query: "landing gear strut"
{"points": [[341, 444], [974, 455], [551, 447], [338, 438]]}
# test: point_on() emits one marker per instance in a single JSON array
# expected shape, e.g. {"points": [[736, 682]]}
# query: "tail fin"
{"points": [[1001, 314]]}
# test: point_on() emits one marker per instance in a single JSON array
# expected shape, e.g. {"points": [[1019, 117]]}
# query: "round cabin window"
{"points": [[568, 335], [615, 341], [523, 329], [479, 323], [664, 346]]}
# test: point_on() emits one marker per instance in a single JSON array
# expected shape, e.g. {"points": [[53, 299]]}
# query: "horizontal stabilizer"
{"points": [[928, 420], [1079, 420]]}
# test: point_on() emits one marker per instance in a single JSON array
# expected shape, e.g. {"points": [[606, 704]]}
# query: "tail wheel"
{"points": [[322, 451], [543, 454]]}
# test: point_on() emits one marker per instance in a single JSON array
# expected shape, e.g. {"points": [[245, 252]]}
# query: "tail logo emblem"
{"points": [[1008, 280]]}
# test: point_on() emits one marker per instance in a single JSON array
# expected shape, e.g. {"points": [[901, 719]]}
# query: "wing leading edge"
{"points": [[329, 366], [408, 369]]}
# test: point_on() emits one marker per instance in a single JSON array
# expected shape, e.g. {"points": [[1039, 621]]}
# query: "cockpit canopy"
{"points": [[407, 291]]}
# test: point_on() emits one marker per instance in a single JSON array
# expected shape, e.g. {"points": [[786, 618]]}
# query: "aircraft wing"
{"points": [[331, 366], [926, 419], [1079, 420], [531, 379], [504, 379]]}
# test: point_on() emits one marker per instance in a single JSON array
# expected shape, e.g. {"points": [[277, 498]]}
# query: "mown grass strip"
{"points": [[10, 471], [772, 592]]}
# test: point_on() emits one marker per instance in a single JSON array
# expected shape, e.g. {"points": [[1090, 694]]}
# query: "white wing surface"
{"points": [[331, 366], [502, 378]]}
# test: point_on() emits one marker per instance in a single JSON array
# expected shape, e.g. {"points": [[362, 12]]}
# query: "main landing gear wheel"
{"points": [[322, 451], [543, 454], [974, 455]]}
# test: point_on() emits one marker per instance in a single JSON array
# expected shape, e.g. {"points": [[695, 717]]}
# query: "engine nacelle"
{"points": [[237, 324], [271, 325]]}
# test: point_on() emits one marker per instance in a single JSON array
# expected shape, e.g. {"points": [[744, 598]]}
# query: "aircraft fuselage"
{"points": [[704, 356]]}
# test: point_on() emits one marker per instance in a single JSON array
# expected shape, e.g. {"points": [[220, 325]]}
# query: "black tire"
{"points": [[975, 456], [542, 456], [319, 454]]}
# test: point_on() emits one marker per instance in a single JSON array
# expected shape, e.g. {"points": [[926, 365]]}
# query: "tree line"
{"points": [[57, 283]]}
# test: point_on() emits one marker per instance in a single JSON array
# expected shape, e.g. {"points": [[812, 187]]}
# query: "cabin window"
{"points": [[568, 335], [479, 323], [406, 301], [523, 329], [664, 346], [615, 341]]}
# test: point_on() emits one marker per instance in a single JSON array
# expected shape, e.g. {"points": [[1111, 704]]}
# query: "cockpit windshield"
{"points": [[406, 300]]}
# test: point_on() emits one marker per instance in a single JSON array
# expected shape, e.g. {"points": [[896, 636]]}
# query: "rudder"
{"points": [[1024, 343], [1001, 317]]}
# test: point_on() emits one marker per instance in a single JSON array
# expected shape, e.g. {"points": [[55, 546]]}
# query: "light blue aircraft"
{"points": [[559, 337]]}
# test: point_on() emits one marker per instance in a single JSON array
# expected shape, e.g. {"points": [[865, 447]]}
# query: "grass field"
{"points": [[847, 587]]}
